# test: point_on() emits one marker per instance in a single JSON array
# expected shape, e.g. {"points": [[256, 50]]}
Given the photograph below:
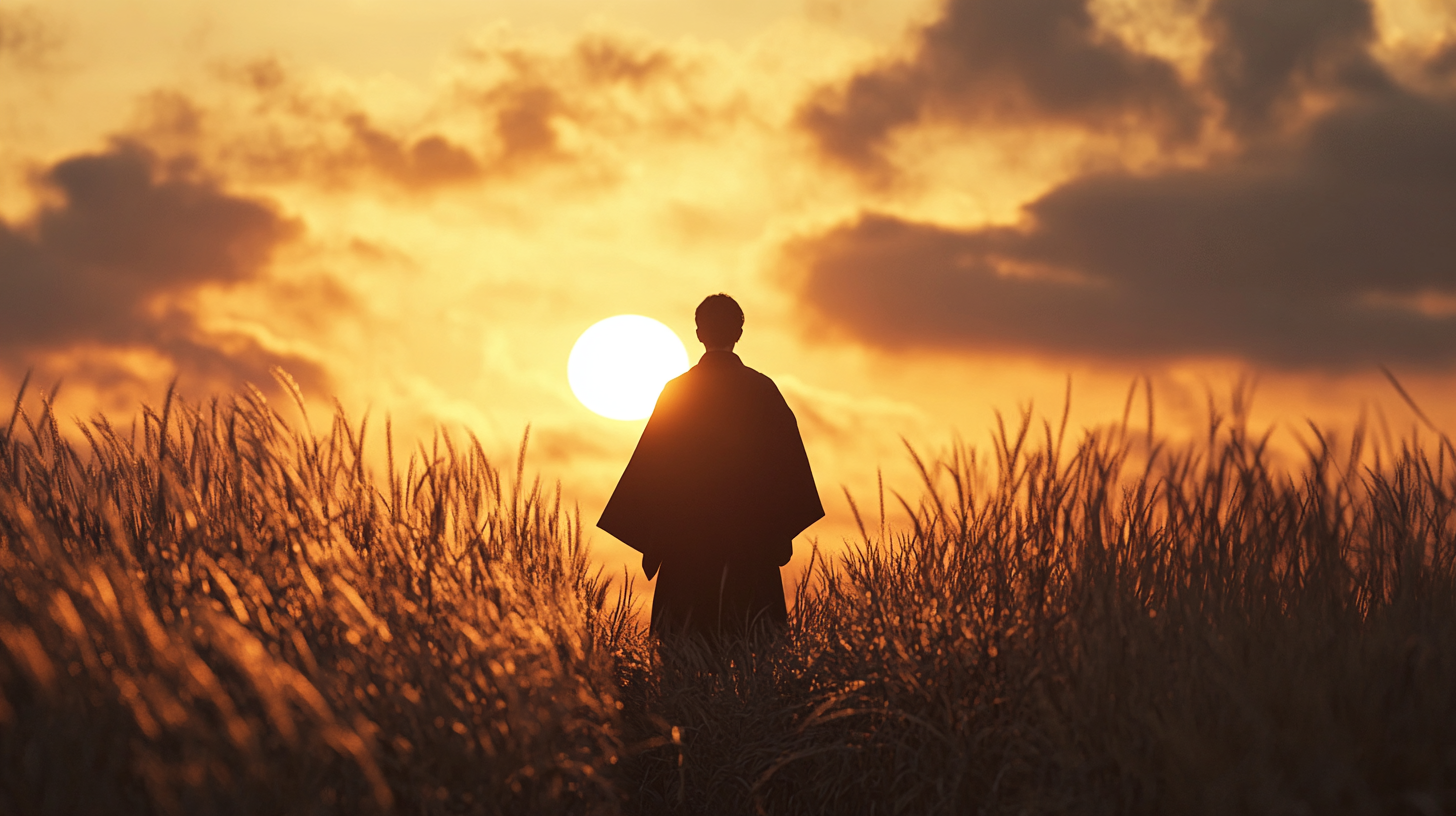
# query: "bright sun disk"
{"points": [[619, 365]]}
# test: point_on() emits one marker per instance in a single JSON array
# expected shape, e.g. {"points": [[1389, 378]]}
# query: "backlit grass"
{"points": [[215, 610]]}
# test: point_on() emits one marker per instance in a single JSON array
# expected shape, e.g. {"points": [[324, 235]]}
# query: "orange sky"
{"points": [[929, 211]]}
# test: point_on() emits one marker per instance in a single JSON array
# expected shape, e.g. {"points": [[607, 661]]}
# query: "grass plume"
{"points": [[213, 611]]}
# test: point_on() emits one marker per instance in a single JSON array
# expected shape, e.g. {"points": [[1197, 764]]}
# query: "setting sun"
{"points": [[1064, 445], [619, 365]]}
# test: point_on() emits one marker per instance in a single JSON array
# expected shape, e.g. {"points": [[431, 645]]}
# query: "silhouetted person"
{"points": [[716, 491]]}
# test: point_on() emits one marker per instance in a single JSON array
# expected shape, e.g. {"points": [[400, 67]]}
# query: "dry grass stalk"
{"points": [[213, 612]]}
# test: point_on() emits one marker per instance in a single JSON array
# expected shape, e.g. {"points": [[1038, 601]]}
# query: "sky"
{"points": [[931, 212]]}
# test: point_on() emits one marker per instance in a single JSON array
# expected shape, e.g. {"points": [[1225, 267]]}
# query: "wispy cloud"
{"points": [[503, 110], [28, 39]]}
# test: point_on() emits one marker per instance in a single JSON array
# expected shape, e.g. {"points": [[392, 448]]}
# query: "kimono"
{"points": [[715, 492]]}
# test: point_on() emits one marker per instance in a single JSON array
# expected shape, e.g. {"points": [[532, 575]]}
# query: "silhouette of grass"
{"points": [[210, 612], [215, 612], [1111, 626]]}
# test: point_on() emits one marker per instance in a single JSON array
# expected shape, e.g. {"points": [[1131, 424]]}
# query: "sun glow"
{"points": [[619, 365]]}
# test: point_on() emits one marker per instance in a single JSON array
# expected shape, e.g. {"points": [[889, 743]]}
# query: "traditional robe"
{"points": [[715, 492]]}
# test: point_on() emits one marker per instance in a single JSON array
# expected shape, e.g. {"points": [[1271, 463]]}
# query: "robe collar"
{"points": [[716, 359]]}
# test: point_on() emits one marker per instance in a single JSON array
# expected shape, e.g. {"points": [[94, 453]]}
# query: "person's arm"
{"points": [[796, 493], [641, 510]]}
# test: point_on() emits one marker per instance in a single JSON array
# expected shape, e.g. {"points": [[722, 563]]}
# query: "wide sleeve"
{"points": [[792, 497], [642, 511]]}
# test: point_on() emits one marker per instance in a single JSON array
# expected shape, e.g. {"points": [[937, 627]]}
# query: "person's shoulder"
{"points": [[760, 381], [676, 388], [756, 375]]}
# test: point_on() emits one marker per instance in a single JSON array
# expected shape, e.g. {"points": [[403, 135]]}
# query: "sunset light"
{"points": [[1065, 389], [618, 366]]}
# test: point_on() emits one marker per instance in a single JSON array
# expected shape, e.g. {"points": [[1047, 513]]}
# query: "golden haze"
{"points": [[417, 207]]}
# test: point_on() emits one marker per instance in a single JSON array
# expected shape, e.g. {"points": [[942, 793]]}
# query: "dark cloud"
{"points": [[1266, 53], [111, 264], [1047, 61], [1320, 234], [999, 60], [1319, 253], [1443, 64]]}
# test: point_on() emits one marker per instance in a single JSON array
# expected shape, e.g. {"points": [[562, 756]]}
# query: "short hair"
{"points": [[719, 319]]}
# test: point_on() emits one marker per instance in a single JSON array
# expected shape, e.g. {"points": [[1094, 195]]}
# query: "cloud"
{"points": [[1334, 250], [267, 123], [1314, 232], [1049, 62], [524, 113], [504, 110], [1443, 64], [1265, 56], [548, 101], [424, 162], [28, 40], [111, 264], [997, 61]]}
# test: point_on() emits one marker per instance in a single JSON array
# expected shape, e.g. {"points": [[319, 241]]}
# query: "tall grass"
{"points": [[1109, 626], [211, 612], [215, 612]]}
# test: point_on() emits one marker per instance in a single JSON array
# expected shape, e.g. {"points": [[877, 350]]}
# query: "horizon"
{"points": [[930, 211]]}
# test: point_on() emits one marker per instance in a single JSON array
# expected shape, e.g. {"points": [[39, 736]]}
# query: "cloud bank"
{"points": [[424, 221], [1315, 233], [1043, 61], [1293, 215], [112, 264]]}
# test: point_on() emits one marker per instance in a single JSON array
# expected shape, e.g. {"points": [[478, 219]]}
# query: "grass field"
{"points": [[216, 611]]}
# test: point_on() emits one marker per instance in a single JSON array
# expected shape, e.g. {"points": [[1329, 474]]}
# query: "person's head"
{"points": [[720, 322]]}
